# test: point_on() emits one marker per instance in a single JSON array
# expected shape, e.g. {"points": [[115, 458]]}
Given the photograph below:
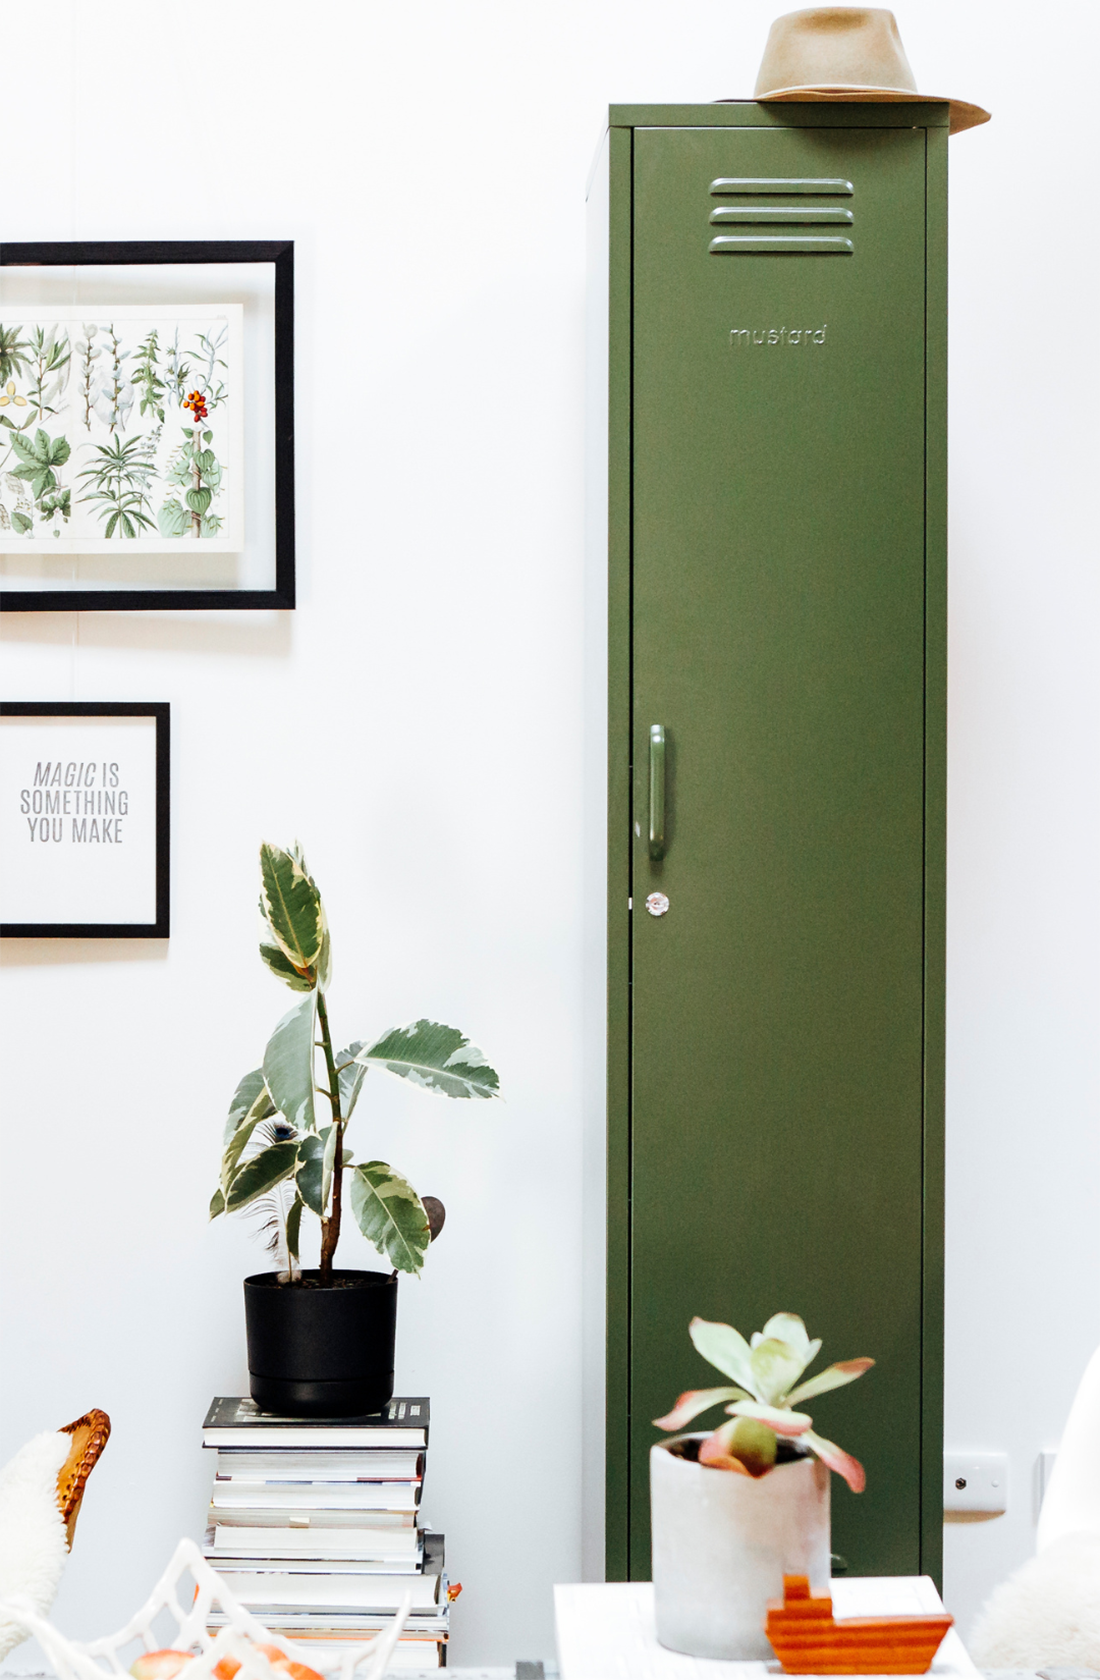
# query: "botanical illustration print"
{"points": [[119, 429]]}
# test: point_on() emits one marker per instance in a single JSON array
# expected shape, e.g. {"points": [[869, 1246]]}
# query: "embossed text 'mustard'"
{"points": [[777, 335]]}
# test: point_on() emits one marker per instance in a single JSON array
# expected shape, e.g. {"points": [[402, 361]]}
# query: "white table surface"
{"points": [[607, 1631]]}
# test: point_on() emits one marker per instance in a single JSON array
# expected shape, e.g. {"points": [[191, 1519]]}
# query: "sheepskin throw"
{"points": [[33, 1546], [1046, 1615]]}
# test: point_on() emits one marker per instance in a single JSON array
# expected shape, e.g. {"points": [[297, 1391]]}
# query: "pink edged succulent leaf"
{"points": [[712, 1455], [837, 1459], [745, 1444], [761, 1406], [696, 1400], [835, 1376], [779, 1420]]}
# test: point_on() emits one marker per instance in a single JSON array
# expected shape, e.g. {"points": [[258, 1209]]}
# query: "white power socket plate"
{"points": [[975, 1482]]}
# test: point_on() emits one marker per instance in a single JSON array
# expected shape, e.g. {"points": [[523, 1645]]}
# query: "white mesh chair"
{"points": [[175, 1614]]}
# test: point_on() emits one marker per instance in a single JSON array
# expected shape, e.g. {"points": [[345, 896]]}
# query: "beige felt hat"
{"points": [[846, 53]]}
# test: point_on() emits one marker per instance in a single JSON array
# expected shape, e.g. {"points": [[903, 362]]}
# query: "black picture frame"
{"points": [[161, 711], [280, 253]]}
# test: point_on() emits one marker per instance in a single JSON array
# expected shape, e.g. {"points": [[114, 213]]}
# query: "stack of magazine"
{"points": [[315, 1525]]}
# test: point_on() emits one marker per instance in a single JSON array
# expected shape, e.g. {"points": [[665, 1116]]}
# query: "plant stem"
{"points": [[330, 1227], [88, 385], [196, 522], [116, 388]]}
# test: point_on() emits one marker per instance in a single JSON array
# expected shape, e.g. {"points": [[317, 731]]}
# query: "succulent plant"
{"points": [[766, 1372]]}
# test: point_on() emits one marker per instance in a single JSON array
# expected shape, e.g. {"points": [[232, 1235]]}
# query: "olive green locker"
{"points": [[771, 283]]}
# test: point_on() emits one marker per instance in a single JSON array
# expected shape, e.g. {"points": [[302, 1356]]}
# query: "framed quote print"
{"points": [[84, 792], [146, 425]]}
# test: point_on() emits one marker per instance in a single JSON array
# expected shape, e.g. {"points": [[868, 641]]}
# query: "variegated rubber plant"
{"points": [[766, 1372], [274, 1138]]}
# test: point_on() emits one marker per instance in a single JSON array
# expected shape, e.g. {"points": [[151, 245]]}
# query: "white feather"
{"points": [[1046, 1615], [33, 1546]]}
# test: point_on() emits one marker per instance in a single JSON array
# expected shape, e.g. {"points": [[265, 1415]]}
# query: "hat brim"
{"points": [[962, 115]]}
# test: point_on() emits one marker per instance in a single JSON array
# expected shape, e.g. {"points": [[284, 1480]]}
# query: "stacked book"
{"points": [[315, 1525]]}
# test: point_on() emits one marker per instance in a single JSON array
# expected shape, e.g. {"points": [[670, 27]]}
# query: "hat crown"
{"points": [[835, 46]]}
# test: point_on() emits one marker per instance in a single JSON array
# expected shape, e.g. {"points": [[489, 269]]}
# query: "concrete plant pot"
{"points": [[722, 1543]]}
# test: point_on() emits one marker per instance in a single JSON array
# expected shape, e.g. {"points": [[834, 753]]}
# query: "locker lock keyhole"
{"points": [[960, 1482]]}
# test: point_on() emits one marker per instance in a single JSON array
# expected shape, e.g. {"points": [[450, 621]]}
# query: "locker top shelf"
{"points": [[751, 113]]}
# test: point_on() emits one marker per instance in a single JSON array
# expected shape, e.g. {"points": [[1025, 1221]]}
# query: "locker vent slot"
{"points": [[723, 188], [742, 245], [777, 214]]}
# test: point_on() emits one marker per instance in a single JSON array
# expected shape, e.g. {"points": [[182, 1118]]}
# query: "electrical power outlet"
{"points": [[975, 1482]]}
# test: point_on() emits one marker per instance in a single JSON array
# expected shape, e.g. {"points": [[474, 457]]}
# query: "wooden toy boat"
{"points": [[807, 1640]]}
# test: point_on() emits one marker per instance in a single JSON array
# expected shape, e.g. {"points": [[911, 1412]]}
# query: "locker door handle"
{"points": [[656, 792]]}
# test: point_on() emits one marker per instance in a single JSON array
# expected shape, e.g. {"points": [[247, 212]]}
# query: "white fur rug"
{"points": [[33, 1547], [1046, 1615]]}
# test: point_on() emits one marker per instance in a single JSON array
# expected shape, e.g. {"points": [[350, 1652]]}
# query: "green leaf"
{"points": [[309, 1172], [250, 1087], [390, 1215], [24, 447], [331, 1136], [350, 1075], [292, 906], [21, 522], [232, 1153], [285, 969], [217, 1204], [789, 1328], [436, 1057], [198, 500], [260, 1108], [172, 520], [261, 1174], [59, 452], [179, 467], [324, 959], [776, 1367], [316, 1153], [293, 1226], [288, 1065], [207, 437], [723, 1347]]}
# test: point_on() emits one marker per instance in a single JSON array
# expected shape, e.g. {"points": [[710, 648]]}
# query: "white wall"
{"points": [[1023, 1251], [419, 724]]}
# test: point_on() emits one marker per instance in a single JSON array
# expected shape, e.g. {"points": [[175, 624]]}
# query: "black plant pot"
{"points": [[321, 1350]]}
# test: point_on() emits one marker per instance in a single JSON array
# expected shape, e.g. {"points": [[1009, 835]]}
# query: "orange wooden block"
{"points": [[807, 1640]]}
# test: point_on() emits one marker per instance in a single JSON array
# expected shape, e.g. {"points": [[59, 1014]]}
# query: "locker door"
{"points": [[779, 638]]}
